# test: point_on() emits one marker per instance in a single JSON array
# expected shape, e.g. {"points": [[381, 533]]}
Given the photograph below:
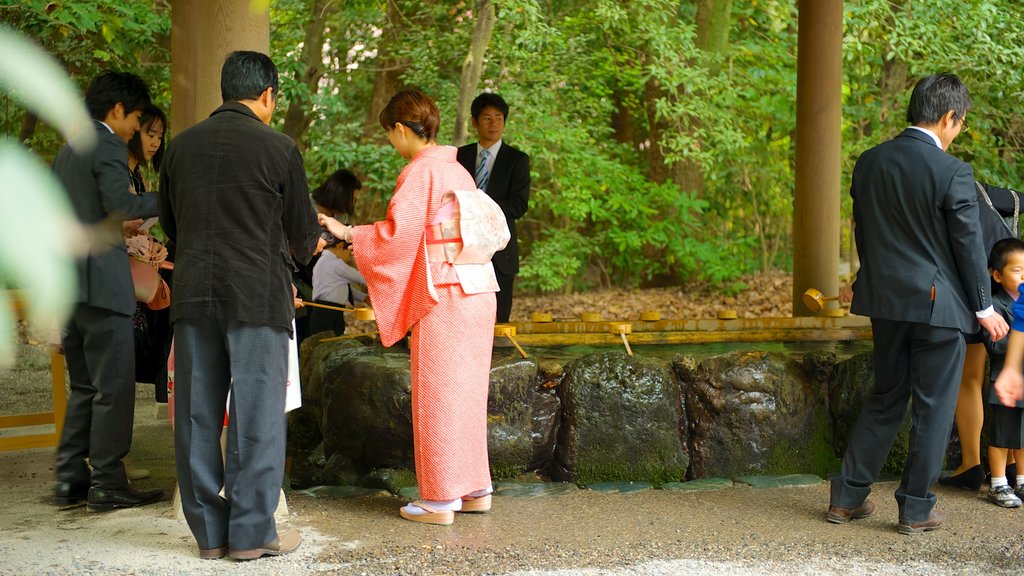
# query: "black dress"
{"points": [[152, 331]]}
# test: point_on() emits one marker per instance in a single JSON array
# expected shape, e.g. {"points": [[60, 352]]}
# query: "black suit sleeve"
{"points": [[115, 183], [167, 221], [299, 219], [515, 204], [961, 211]]}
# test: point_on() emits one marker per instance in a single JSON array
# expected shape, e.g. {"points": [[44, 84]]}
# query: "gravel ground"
{"points": [[736, 531]]}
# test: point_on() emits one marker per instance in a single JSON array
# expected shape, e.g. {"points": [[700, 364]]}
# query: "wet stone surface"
{"points": [[619, 487], [702, 485], [783, 481]]}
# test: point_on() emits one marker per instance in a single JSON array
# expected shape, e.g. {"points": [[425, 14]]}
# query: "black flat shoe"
{"points": [[101, 500], [969, 479]]}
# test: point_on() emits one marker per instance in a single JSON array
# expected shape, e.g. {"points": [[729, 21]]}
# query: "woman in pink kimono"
{"points": [[414, 286]]}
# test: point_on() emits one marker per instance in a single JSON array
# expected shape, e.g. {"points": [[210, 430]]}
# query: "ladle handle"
{"points": [[518, 347], [315, 305], [629, 351]]}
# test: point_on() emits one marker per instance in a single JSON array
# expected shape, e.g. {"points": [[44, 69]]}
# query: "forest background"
{"points": [[661, 133]]}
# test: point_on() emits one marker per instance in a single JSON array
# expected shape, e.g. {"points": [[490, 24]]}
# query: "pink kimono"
{"points": [[452, 332]]}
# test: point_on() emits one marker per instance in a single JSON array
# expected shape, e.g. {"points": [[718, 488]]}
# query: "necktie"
{"points": [[482, 173]]}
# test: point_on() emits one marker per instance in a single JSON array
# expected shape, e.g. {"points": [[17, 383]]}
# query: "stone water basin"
{"points": [[587, 413]]}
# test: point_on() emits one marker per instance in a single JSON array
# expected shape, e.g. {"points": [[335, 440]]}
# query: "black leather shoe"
{"points": [[68, 494], [969, 479], [101, 500]]}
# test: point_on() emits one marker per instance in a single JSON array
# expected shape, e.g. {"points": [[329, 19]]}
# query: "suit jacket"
{"points": [[509, 186], [100, 186], [234, 200], [915, 211]]}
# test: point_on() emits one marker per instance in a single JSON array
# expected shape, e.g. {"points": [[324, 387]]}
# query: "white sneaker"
{"points": [[1004, 496]]}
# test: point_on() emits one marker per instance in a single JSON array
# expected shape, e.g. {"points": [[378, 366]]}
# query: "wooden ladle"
{"points": [[815, 300], [621, 329], [509, 331]]}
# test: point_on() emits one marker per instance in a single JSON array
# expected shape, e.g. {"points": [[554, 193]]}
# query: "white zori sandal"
{"points": [[420, 511]]}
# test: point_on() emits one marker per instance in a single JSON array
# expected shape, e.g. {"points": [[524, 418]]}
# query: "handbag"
{"points": [[162, 299], [146, 280], [994, 225]]}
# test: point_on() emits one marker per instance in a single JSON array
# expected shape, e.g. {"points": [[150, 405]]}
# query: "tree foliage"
{"points": [[653, 160]]}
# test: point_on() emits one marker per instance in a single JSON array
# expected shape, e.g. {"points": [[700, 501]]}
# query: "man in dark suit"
{"points": [[923, 281], [98, 340], [503, 172], [234, 199]]}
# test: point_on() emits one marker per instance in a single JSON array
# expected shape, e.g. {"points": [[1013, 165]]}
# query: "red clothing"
{"points": [[452, 332]]}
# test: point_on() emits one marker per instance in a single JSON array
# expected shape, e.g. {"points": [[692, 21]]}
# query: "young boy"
{"points": [[1006, 425]]}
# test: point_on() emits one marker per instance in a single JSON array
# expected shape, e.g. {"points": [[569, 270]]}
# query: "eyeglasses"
{"points": [[964, 128]]}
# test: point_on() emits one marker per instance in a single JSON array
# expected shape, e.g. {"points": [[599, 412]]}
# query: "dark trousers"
{"points": [[100, 355], [212, 357], [504, 295], [917, 363], [323, 320]]}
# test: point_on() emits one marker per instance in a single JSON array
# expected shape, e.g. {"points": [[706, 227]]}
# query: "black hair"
{"points": [[150, 114], [1001, 252], [110, 88], [936, 95], [245, 75], [337, 193], [488, 99]]}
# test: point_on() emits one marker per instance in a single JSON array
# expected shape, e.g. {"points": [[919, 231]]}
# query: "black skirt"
{"points": [[1006, 427]]}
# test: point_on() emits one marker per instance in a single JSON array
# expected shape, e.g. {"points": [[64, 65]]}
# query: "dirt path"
{"points": [[735, 531]]}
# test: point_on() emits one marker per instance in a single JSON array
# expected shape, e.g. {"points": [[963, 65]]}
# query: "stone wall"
{"points": [[600, 417]]}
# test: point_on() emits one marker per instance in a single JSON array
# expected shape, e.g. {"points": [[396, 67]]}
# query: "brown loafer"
{"points": [[934, 522], [213, 553], [285, 543], [840, 515]]}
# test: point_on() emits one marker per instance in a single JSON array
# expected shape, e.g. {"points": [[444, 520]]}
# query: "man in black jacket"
{"points": [[234, 199], [923, 282], [98, 340], [503, 172]]}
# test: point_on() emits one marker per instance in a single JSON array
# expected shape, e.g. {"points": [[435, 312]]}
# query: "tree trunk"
{"points": [[28, 127], [472, 67], [893, 81], [300, 104], [656, 155], [712, 20], [389, 73], [713, 25]]}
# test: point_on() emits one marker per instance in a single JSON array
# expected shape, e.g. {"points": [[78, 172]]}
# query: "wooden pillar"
{"points": [[818, 110], [203, 32], [184, 58]]}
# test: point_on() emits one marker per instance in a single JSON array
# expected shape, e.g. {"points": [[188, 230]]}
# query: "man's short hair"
{"points": [[109, 88], [245, 75], [488, 99], [933, 96]]}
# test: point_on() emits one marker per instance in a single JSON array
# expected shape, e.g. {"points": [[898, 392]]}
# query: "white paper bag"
{"points": [[293, 396]]}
